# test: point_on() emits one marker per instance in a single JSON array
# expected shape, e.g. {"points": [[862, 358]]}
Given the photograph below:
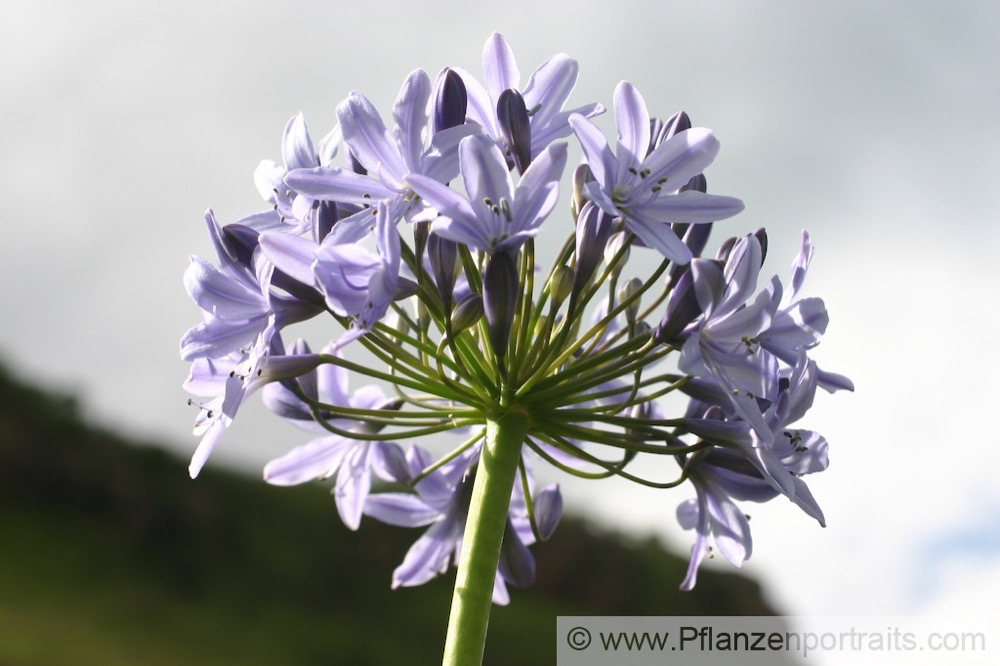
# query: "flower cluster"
{"points": [[415, 234]]}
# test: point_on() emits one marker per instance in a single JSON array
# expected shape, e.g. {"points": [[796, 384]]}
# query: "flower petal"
{"points": [[368, 138], [632, 121], [354, 481], [296, 146], [499, 67], [595, 146], [485, 174], [335, 184], [292, 255], [400, 509], [317, 459], [548, 88], [681, 157], [411, 114]]}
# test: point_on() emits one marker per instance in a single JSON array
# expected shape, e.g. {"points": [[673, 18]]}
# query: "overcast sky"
{"points": [[874, 125]]}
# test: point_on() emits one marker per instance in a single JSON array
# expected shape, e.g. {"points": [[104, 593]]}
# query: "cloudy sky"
{"points": [[874, 125]]}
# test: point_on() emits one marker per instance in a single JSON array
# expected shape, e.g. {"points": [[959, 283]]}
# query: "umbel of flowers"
{"points": [[414, 234]]}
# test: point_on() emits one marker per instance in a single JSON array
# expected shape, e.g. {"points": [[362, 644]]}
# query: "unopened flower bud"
{"points": [[450, 101], [421, 230], [561, 285], [443, 255], [540, 325], [581, 176], [593, 228], [615, 243], [402, 328], [325, 217], [423, 316], [239, 242], [626, 292], [467, 313], [355, 165], [515, 126], [548, 507], [761, 235], [695, 236], [675, 124], [500, 287], [697, 184], [641, 328], [724, 249], [682, 309]]}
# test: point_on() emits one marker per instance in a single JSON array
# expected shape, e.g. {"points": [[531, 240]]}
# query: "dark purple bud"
{"points": [[655, 127], [695, 236], [500, 287], [675, 124], [405, 288], [548, 507], [695, 241], [450, 101], [724, 249], [421, 231], [443, 255], [325, 218], [355, 165], [515, 126], [641, 328], [682, 309], [517, 564], [761, 235], [467, 313], [240, 242], [593, 229]]}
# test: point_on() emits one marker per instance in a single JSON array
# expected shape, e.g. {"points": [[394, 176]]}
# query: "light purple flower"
{"points": [[229, 350], [777, 461], [297, 153], [545, 94], [713, 515], [352, 460], [359, 283], [723, 343], [643, 189], [799, 324], [441, 500], [495, 216], [388, 157]]}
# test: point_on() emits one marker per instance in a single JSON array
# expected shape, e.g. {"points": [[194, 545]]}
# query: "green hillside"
{"points": [[110, 554]]}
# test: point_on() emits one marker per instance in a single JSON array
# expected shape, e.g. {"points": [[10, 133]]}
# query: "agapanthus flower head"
{"points": [[420, 252]]}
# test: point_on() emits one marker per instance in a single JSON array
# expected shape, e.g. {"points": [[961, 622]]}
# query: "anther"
{"points": [[505, 207]]}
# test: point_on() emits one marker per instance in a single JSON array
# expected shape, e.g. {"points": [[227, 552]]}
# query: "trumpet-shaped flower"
{"points": [[645, 190], [496, 216], [388, 157]]}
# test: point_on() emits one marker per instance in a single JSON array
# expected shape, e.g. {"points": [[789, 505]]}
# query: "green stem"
{"points": [[484, 529]]}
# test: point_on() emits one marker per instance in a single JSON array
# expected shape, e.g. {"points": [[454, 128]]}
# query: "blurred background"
{"points": [[873, 125]]}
